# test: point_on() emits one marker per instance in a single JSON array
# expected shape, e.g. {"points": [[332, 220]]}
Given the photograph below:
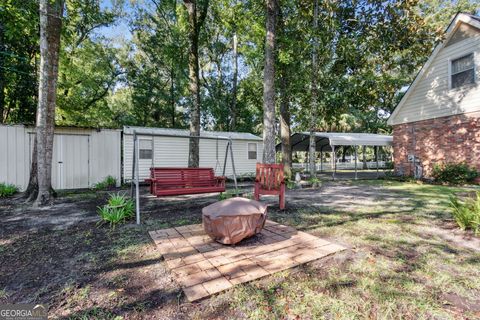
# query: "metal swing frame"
{"points": [[135, 181]]}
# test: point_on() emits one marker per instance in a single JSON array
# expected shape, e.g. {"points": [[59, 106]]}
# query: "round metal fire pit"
{"points": [[232, 220]]}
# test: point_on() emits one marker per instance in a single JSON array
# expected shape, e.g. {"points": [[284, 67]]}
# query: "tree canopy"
{"points": [[368, 52]]}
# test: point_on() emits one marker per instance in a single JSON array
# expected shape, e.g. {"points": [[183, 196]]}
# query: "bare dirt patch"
{"points": [[59, 256]]}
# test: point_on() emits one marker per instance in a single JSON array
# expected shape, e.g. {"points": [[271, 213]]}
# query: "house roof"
{"points": [[186, 133], [324, 140], [459, 18]]}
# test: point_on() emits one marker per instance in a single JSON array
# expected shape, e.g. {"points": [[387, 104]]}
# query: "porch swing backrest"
{"points": [[178, 181]]}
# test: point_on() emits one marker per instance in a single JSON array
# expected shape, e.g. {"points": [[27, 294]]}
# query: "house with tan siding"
{"points": [[438, 118]]}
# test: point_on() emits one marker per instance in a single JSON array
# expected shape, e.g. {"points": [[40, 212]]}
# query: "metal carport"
{"points": [[327, 141]]}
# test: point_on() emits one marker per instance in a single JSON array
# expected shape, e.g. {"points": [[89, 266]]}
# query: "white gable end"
{"points": [[430, 95]]}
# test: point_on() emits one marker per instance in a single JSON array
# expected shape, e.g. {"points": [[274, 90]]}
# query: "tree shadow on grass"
{"points": [[142, 305]]}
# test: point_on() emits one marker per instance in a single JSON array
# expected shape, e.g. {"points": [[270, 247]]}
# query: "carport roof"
{"points": [[186, 133], [324, 140]]}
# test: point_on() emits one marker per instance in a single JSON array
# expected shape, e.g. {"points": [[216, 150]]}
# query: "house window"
{"points": [[145, 149], [252, 151], [462, 71]]}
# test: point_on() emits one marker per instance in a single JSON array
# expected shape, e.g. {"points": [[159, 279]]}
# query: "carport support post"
{"points": [[136, 170], [321, 159], [307, 155], [356, 162], [376, 158], [334, 162]]}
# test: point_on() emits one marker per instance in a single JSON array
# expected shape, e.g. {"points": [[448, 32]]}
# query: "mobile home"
{"points": [[159, 147]]}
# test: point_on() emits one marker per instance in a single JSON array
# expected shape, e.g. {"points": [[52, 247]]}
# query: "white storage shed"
{"points": [[160, 147], [81, 157]]}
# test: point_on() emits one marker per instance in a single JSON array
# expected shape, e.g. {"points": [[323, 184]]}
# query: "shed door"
{"points": [[70, 161]]}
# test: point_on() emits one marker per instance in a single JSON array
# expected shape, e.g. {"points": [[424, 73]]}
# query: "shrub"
{"points": [[391, 175], [295, 170], [229, 194], [466, 213], [248, 176], [117, 210], [454, 173], [389, 165], [108, 182], [314, 181], [291, 184], [7, 190]]}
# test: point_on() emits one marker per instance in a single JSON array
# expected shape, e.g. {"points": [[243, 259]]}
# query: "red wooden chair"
{"points": [[269, 180]]}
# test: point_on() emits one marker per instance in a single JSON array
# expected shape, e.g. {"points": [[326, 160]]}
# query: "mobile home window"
{"points": [[145, 149], [252, 151], [463, 71]]}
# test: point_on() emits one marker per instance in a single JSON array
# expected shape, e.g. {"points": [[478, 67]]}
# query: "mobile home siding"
{"points": [[173, 152], [432, 97], [81, 157]]}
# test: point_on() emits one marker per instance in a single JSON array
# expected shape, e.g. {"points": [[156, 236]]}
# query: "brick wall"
{"points": [[442, 140]]}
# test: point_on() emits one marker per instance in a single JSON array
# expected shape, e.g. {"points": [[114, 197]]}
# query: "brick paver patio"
{"points": [[204, 267]]}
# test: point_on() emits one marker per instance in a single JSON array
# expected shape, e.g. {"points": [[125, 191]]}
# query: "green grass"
{"points": [[3, 294], [395, 269]]}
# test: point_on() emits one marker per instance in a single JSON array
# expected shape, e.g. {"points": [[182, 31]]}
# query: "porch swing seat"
{"points": [[182, 181]]}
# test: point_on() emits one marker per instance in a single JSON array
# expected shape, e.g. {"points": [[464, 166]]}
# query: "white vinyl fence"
{"points": [[81, 157], [327, 166]]}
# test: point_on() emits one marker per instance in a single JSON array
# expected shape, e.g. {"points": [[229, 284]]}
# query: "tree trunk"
{"points": [[194, 85], [32, 188], [173, 74], [285, 127], [344, 154], [269, 86], [50, 29], [172, 94], [194, 24], [314, 106], [233, 107]]}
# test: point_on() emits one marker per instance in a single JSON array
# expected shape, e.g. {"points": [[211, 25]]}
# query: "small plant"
{"points": [[389, 165], [230, 194], [291, 184], [295, 170], [248, 176], [107, 183], [454, 173], [117, 210], [7, 190], [466, 213], [314, 182], [393, 176]]}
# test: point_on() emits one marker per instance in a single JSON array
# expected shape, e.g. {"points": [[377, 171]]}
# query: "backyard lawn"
{"points": [[406, 259]]}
